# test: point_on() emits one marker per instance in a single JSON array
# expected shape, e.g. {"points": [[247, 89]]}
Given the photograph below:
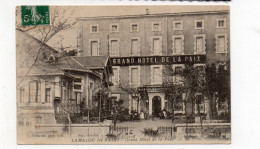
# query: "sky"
{"points": [[69, 37]]}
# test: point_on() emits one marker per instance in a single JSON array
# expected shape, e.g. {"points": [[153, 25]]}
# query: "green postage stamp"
{"points": [[35, 15]]}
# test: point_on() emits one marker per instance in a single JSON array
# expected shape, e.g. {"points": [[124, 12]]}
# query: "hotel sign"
{"points": [[158, 60]]}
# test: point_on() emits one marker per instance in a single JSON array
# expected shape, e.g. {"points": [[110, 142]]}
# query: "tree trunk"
{"points": [[192, 109], [173, 114], [186, 118], [138, 100], [210, 97], [229, 110], [198, 108]]}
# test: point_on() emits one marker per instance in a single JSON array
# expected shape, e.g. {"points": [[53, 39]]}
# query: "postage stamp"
{"points": [[124, 75], [35, 15]]}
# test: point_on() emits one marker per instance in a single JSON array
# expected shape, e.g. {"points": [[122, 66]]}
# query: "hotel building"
{"points": [[140, 46]]}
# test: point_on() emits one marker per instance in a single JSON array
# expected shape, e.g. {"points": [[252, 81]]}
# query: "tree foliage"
{"points": [[59, 22]]}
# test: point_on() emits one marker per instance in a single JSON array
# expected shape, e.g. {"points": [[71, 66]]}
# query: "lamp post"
{"points": [[109, 102], [88, 119], [185, 106], [198, 97], [101, 86]]}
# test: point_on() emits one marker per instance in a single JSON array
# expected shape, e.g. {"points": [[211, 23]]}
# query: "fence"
{"points": [[167, 130], [67, 108], [206, 131], [74, 129]]}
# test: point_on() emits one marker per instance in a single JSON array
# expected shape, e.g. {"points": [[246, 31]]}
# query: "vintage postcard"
{"points": [[123, 74]]}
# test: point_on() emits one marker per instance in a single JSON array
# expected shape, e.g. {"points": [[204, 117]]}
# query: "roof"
{"points": [[112, 12], [91, 62], [80, 64], [46, 69], [20, 34]]}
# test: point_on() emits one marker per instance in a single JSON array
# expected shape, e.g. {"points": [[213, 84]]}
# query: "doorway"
{"points": [[156, 106]]}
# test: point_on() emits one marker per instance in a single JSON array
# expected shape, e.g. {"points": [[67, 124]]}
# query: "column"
{"points": [[42, 91], [162, 101], [150, 104]]}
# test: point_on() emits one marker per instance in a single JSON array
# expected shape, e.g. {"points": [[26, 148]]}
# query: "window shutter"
{"points": [[114, 47], [199, 44], [115, 77], [94, 48], [134, 75], [156, 75], [221, 43], [134, 46], [178, 45]]}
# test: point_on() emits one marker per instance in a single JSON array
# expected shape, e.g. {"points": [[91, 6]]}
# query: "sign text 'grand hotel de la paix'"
{"points": [[158, 60]]}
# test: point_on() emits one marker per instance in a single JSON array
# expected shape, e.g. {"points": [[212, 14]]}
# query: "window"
{"points": [[221, 23], [77, 84], [221, 43], [115, 78], [177, 73], [90, 93], [21, 95], [38, 119], [77, 80], [179, 107], [77, 87], [135, 46], [93, 28], [201, 106], [78, 97], [200, 44], [47, 95], [200, 67], [114, 47], [156, 74], [134, 75], [134, 27], [34, 91], [199, 24], [94, 47], [156, 45], [177, 25], [178, 44], [156, 26], [114, 28]]}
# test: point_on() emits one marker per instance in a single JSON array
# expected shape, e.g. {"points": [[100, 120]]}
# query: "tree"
{"points": [[223, 90], [59, 22], [135, 94], [186, 91], [217, 85]]}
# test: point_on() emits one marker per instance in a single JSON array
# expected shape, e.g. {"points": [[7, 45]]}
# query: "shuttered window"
{"points": [[47, 94], [157, 75], [94, 48], [114, 47], [199, 44], [221, 44], [177, 45], [35, 91], [157, 46], [134, 46], [135, 76], [115, 77]]}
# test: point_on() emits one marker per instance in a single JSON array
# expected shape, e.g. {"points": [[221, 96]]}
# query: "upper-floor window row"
{"points": [[157, 26]]}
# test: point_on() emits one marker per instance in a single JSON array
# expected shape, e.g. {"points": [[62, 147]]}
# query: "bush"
{"points": [[150, 132]]}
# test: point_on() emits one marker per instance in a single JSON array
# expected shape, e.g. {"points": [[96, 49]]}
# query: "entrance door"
{"points": [[156, 106]]}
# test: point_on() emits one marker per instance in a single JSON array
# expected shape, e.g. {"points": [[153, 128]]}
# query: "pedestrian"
{"points": [[115, 120], [172, 117]]}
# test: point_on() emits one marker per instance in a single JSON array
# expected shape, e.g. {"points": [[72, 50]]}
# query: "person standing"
{"points": [[172, 117]]}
